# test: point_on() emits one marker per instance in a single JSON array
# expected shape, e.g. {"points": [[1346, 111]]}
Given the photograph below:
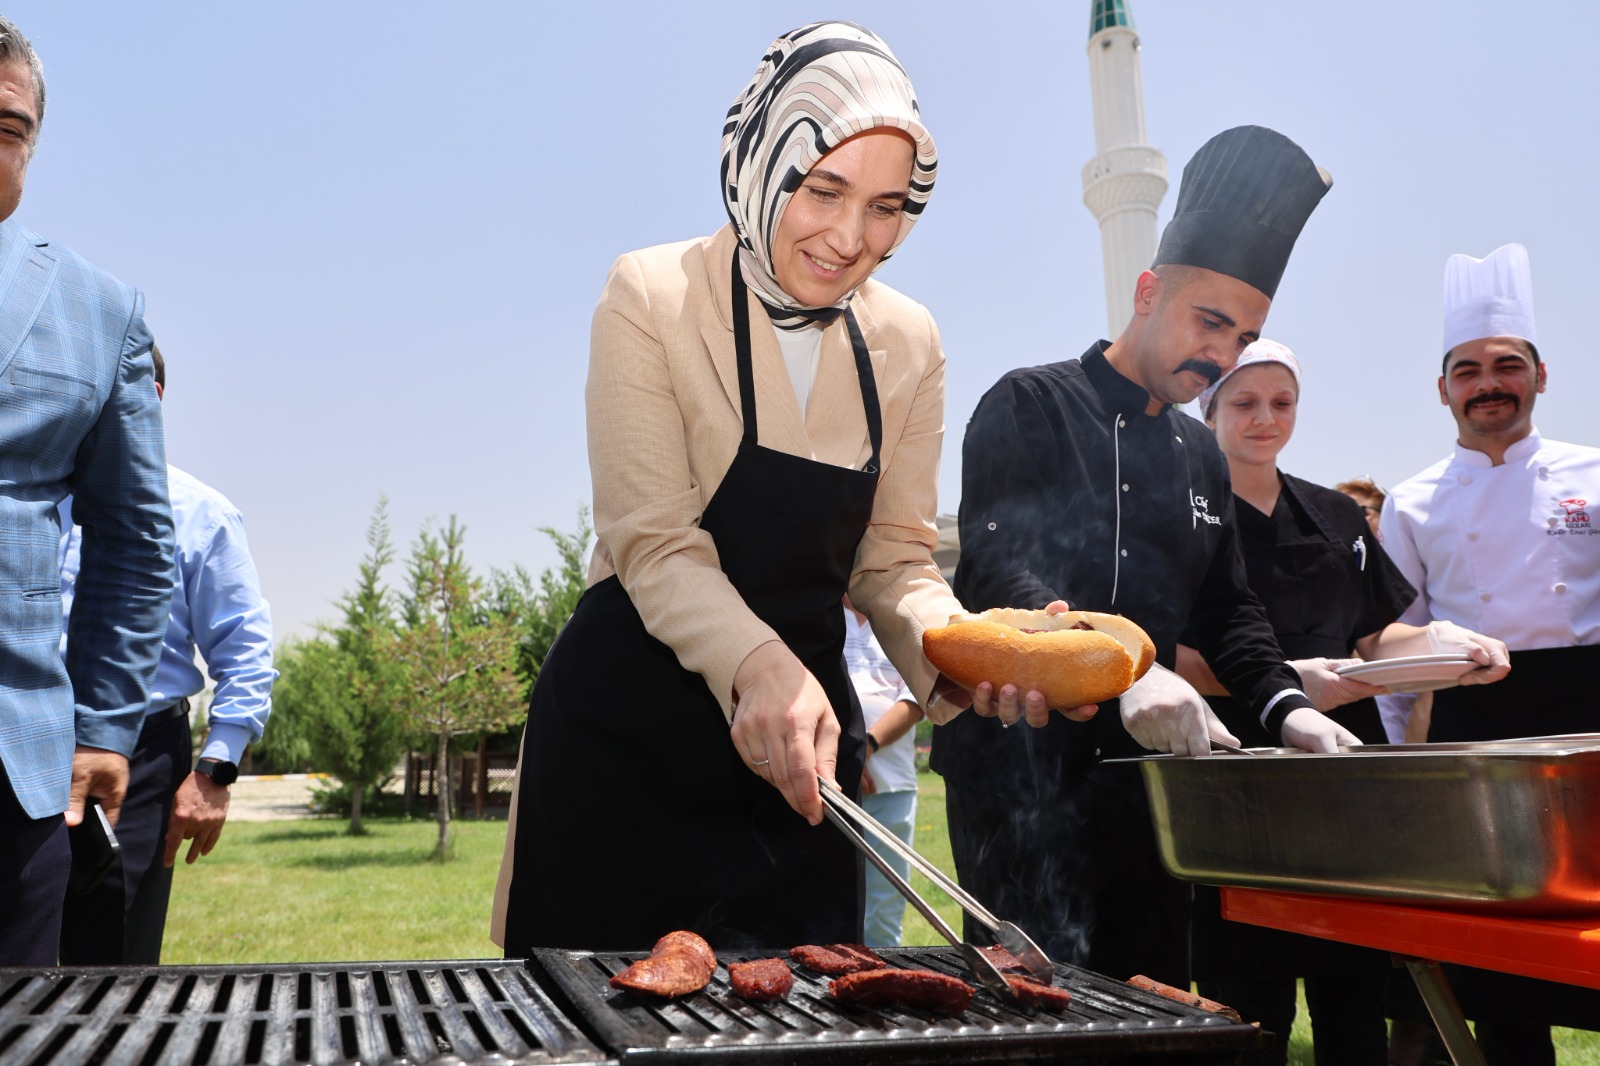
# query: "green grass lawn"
{"points": [[304, 891]]}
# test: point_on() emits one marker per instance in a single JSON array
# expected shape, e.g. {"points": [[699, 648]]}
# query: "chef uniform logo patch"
{"points": [[1200, 506], [1577, 515]]}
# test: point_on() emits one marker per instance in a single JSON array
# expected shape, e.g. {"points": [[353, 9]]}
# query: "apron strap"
{"points": [[869, 389], [747, 376], [741, 348]]}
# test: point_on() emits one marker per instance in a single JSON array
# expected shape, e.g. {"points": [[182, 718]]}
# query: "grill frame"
{"points": [[1108, 1021], [439, 1012]]}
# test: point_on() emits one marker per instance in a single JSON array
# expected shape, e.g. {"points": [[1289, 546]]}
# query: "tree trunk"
{"points": [[441, 782], [355, 808]]}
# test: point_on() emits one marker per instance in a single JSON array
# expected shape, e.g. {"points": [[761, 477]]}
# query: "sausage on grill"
{"points": [[1031, 993], [761, 980], [680, 963], [935, 992], [837, 959]]}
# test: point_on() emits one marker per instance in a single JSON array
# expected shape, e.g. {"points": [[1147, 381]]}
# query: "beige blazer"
{"points": [[664, 425]]}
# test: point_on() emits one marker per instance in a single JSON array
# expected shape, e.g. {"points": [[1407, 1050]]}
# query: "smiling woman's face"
{"points": [[844, 218], [1254, 413]]}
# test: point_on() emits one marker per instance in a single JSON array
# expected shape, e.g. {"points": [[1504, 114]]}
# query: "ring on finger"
{"points": [[760, 762]]}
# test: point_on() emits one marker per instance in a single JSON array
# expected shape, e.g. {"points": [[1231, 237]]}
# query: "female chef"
{"points": [[1328, 587], [764, 426]]}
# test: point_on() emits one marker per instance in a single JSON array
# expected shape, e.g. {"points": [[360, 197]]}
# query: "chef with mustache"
{"points": [[1503, 536], [1082, 482]]}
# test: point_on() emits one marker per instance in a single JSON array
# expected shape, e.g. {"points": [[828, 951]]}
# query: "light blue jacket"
{"points": [[78, 414]]}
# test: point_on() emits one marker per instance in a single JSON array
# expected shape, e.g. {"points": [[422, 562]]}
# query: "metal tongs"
{"points": [[1009, 936]]}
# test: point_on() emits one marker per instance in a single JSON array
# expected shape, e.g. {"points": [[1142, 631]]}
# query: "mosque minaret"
{"points": [[1125, 181]]}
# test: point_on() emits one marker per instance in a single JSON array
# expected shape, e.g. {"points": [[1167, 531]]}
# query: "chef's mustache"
{"points": [[1210, 371], [1493, 397]]}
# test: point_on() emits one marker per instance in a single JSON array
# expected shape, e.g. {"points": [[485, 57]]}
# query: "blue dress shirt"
{"points": [[217, 609]]}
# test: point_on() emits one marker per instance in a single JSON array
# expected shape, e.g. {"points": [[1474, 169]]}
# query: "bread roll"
{"points": [[1035, 650]]}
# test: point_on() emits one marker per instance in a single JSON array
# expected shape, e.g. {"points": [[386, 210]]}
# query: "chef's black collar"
{"points": [[1121, 394]]}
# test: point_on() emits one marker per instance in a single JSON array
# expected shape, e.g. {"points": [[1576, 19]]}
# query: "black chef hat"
{"points": [[1245, 197]]}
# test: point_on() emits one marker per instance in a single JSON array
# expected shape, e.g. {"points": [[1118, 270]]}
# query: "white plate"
{"points": [[1413, 673]]}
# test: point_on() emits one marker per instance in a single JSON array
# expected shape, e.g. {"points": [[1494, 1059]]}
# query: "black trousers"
{"points": [[34, 863], [122, 921], [1347, 1023]]}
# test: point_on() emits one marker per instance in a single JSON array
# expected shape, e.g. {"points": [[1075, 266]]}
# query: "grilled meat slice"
{"points": [[1031, 993], [761, 980], [680, 963], [1003, 960], [837, 959], [924, 989]]}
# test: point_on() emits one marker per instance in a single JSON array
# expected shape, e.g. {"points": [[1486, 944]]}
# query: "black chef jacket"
{"points": [[1326, 582], [1071, 491]]}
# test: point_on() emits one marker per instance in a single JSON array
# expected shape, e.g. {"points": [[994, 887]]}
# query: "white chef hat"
{"points": [[1488, 297], [1259, 351]]}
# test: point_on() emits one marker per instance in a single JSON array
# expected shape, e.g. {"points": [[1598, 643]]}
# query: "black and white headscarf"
{"points": [[816, 87]]}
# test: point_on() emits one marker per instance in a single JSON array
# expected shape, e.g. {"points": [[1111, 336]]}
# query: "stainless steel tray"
{"points": [[1512, 826]]}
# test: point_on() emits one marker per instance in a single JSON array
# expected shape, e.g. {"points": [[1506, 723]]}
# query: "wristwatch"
{"points": [[872, 742], [221, 771]]}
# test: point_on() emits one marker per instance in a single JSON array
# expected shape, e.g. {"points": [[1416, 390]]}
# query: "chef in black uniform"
{"points": [[1328, 587], [1082, 482]]}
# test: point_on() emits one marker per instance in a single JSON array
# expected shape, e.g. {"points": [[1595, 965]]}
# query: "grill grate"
{"points": [[330, 1014], [1107, 1021]]}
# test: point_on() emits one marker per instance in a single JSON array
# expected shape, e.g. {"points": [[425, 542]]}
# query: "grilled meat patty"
{"points": [[680, 963]]}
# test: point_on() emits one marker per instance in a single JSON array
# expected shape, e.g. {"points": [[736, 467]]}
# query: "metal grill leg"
{"points": [[1446, 1012]]}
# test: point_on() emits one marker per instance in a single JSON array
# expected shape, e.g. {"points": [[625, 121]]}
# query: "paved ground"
{"points": [[268, 799]]}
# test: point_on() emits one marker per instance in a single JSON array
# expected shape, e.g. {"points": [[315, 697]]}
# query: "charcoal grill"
{"points": [[1107, 1022], [393, 1012]]}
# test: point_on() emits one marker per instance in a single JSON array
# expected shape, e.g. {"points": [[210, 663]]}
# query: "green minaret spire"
{"points": [[1108, 13]]}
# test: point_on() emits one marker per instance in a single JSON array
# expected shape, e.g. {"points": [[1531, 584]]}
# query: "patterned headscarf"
{"points": [[816, 87]]}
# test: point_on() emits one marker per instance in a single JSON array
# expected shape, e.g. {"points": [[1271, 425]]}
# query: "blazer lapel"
{"points": [[26, 271], [777, 410]]}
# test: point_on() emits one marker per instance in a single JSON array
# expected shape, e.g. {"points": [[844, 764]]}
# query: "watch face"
{"points": [[219, 770]]}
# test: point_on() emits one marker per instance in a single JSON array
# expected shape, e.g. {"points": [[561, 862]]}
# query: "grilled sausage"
{"points": [[924, 989], [1031, 993], [837, 959], [680, 963]]}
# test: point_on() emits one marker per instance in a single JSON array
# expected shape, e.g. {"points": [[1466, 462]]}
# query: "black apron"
{"points": [[636, 815], [1545, 694], [1310, 581]]}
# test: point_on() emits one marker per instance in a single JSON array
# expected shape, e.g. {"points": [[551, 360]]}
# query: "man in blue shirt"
{"points": [[78, 414], [216, 608]]}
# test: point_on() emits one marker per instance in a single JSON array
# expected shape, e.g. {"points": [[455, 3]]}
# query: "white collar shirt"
{"points": [[879, 686], [1511, 551]]}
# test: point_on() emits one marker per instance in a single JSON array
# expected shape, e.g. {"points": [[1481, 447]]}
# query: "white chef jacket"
{"points": [[1510, 551], [878, 684]]}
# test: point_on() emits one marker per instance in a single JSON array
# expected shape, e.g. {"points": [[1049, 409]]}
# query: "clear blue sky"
{"points": [[371, 234]]}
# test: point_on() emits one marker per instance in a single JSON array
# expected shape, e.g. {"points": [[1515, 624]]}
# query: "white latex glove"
{"points": [[1491, 655], [1163, 712], [1311, 730], [1327, 689]]}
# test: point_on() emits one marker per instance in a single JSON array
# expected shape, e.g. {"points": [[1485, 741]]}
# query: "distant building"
{"points": [[1124, 183]]}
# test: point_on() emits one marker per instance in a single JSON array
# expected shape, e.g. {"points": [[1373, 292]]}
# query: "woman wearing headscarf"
{"points": [[1329, 590], [764, 426]]}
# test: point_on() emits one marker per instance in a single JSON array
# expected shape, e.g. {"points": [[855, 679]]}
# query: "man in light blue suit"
{"points": [[78, 414]]}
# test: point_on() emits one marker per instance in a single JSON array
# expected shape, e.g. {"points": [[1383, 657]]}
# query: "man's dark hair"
{"points": [[15, 48], [161, 366], [1532, 350]]}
